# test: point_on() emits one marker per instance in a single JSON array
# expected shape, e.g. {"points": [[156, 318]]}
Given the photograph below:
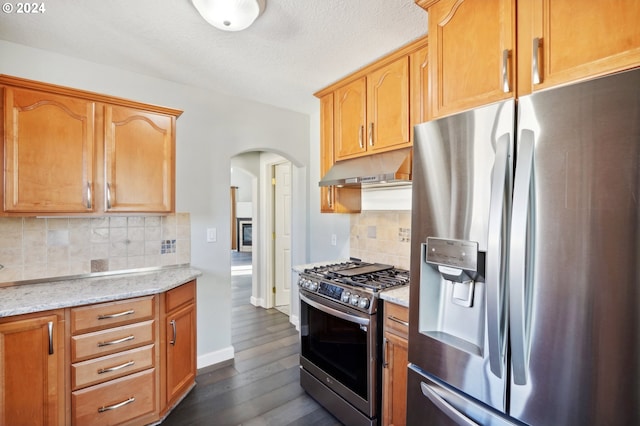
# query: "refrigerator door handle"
{"points": [[431, 392], [518, 257], [496, 311]]}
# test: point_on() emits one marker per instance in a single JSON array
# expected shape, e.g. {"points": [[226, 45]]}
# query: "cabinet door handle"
{"points": [[385, 346], [175, 332], [535, 61], [115, 342], [119, 314], [50, 327], [89, 204], [360, 137], [371, 134], [398, 320], [108, 195], [118, 405], [116, 368], [506, 88]]}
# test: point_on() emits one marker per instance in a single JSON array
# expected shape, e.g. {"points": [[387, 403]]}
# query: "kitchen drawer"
{"points": [[111, 314], [116, 401], [113, 340], [109, 367], [182, 295], [396, 319]]}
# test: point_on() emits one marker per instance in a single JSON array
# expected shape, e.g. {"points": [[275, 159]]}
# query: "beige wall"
{"points": [[36, 248], [382, 236]]}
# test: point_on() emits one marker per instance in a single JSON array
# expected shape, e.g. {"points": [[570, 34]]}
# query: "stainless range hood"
{"points": [[376, 168]]}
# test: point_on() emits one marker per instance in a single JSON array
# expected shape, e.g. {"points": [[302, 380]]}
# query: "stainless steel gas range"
{"points": [[341, 336]]}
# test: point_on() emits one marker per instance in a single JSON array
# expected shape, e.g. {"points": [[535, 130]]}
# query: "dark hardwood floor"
{"points": [[261, 385]]}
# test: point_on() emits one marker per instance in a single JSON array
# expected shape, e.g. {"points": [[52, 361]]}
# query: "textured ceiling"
{"points": [[295, 48]]}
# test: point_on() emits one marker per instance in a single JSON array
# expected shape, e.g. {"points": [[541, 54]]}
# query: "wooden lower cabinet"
{"points": [[32, 388], [394, 373], [125, 362], [127, 400], [179, 367]]}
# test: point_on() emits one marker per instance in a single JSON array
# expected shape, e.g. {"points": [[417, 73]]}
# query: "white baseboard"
{"points": [[257, 302], [212, 358], [293, 319]]}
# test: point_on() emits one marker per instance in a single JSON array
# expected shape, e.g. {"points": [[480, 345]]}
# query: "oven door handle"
{"points": [[335, 312]]}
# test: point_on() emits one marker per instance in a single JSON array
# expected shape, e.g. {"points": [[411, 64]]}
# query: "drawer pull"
{"points": [[116, 368], [399, 321], [119, 314], [115, 342], [118, 405]]}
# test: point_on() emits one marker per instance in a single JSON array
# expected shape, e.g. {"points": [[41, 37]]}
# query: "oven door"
{"points": [[338, 347]]}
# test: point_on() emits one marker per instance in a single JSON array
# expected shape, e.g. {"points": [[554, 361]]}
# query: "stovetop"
{"points": [[352, 283], [372, 276]]}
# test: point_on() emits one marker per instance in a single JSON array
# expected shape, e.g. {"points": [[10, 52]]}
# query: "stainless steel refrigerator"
{"points": [[525, 269]]}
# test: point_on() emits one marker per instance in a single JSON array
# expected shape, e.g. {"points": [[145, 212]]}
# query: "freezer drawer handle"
{"points": [[431, 393]]}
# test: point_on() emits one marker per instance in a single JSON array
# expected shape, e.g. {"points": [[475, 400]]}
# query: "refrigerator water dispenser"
{"points": [[452, 305]]}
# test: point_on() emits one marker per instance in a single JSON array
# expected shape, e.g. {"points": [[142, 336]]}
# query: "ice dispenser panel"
{"points": [[452, 302]]}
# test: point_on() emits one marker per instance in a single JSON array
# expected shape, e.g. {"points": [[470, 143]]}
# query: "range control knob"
{"points": [[354, 299], [345, 296], [313, 286], [363, 303]]}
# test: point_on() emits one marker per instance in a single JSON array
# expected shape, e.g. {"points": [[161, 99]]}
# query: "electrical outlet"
{"points": [[334, 239], [212, 235]]}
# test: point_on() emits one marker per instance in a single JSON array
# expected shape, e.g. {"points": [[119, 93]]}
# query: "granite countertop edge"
{"points": [[58, 294], [399, 296]]}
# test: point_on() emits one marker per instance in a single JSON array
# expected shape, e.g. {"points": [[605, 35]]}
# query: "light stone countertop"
{"points": [[43, 296], [399, 295], [301, 268]]}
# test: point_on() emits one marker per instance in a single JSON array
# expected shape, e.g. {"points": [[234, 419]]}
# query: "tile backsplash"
{"points": [[382, 236], [35, 248]]}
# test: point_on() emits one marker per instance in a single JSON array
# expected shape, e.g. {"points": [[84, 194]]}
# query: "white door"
{"points": [[283, 233]]}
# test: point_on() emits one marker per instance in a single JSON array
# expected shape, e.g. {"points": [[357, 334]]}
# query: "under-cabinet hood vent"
{"points": [[375, 169]]}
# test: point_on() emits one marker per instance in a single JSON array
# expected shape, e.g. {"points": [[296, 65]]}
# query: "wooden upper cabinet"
{"points": [[139, 160], [350, 119], [326, 150], [67, 151], [562, 41], [388, 103], [372, 112], [49, 149], [332, 198], [419, 82], [471, 53]]}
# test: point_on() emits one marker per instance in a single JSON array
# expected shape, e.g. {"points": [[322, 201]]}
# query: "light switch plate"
{"points": [[212, 235]]}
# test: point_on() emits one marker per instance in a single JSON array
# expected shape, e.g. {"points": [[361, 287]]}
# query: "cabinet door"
{"points": [[471, 53], [181, 352], [139, 165], [326, 151], [575, 41], [31, 371], [394, 380], [49, 152], [350, 118], [388, 98], [419, 76]]}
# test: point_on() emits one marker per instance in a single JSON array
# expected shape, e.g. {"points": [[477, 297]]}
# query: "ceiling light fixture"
{"points": [[230, 15]]}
